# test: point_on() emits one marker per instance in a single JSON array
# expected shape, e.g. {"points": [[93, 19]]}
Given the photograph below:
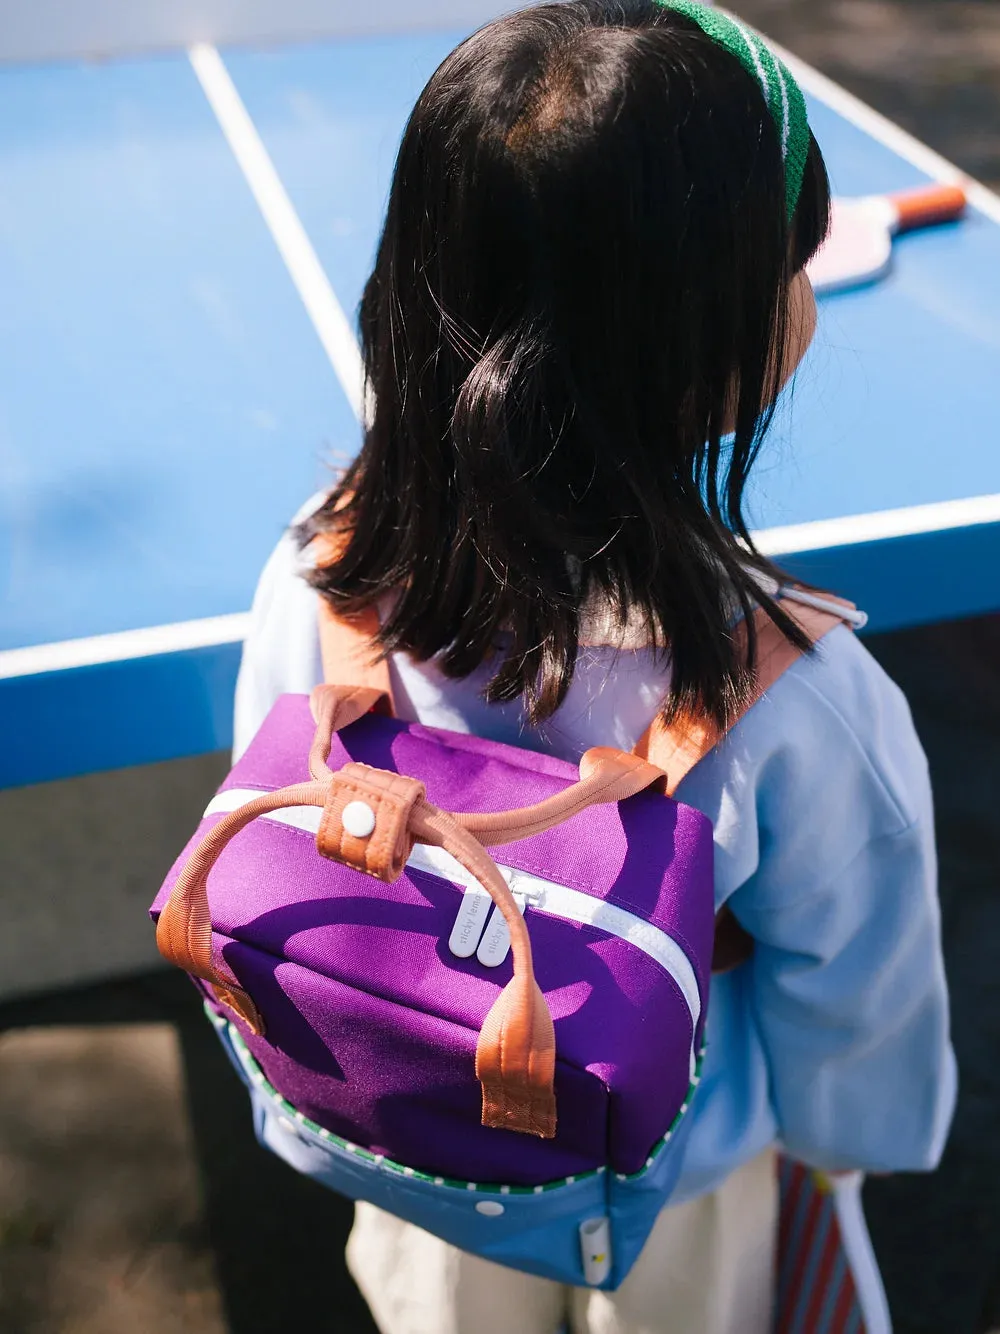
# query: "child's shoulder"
{"points": [[823, 776], [826, 763], [841, 703]]}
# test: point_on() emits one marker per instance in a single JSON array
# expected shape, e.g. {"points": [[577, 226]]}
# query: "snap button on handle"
{"points": [[358, 819]]}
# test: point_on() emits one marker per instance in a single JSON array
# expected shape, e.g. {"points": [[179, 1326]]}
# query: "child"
{"points": [[587, 296]]}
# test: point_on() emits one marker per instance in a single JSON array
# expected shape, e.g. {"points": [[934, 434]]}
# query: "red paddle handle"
{"points": [[928, 205]]}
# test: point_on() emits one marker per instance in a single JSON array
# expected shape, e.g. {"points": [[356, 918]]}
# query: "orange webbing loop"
{"points": [[678, 748]]}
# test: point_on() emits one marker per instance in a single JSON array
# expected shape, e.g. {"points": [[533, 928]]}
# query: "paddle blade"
{"points": [[858, 249]]}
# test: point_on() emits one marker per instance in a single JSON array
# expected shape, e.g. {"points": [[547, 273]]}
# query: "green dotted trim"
{"points": [[259, 1080], [662, 1143]]}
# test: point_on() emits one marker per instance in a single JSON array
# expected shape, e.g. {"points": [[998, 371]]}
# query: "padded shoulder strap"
{"points": [[346, 649], [346, 645], [678, 748]]}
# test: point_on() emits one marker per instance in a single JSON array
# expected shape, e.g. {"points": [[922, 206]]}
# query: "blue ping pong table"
{"points": [[179, 240]]}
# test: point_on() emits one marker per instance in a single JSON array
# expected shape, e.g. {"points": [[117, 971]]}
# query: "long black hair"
{"points": [[579, 290]]}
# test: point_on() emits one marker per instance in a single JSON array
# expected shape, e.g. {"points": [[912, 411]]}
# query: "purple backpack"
{"points": [[498, 1045]]}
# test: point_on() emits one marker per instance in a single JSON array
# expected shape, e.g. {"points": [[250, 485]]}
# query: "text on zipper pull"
{"points": [[472, 914]]}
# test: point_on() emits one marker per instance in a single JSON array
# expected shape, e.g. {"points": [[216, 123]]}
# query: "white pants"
{"points": [[707, 1268]]}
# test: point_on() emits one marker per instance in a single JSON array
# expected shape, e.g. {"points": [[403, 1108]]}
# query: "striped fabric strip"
{"points": [[816, 1290]]}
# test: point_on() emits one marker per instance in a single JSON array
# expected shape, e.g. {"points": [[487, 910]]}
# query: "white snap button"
{"points": [[491, 1208], [358, 819]]}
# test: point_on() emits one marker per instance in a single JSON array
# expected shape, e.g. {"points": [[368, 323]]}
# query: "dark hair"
{"points": [[584, 263]]}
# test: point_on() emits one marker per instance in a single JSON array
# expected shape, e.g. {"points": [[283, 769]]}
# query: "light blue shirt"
{"points": [[834, 1039]]}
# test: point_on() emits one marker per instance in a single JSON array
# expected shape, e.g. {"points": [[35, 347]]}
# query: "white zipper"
{"points": [[529, 891], [495, 944], [574, 906]]}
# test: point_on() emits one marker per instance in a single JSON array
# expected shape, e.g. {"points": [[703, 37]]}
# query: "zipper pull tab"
{"points": [[495, 944], [472, 914]]}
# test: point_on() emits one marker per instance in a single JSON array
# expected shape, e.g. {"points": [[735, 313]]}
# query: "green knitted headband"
{"points": [[781, 93]]}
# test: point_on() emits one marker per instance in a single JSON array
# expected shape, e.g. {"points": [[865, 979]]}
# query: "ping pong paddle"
{"points": [[858, 249]]}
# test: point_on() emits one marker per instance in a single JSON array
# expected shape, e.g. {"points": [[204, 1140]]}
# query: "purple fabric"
{"points": [[372, 1022]]}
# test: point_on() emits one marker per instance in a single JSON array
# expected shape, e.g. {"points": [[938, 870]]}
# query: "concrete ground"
{"points": [[132, 1195], [101, 1210]]}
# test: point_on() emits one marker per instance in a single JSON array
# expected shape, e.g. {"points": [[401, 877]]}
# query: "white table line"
{"points": [[887, 132], [124, 645], [878, 525], [304, 268], [787, 540]]}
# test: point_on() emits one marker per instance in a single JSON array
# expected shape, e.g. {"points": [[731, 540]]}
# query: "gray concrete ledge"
{"points": [[80, 862]]}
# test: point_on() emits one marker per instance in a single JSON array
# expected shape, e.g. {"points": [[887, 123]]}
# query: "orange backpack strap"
{"points": [[347, 644], [347, 649], [678, 748]]}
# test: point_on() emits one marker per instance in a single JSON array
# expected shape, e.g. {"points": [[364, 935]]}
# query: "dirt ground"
{"points": [[133, 1199]]}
